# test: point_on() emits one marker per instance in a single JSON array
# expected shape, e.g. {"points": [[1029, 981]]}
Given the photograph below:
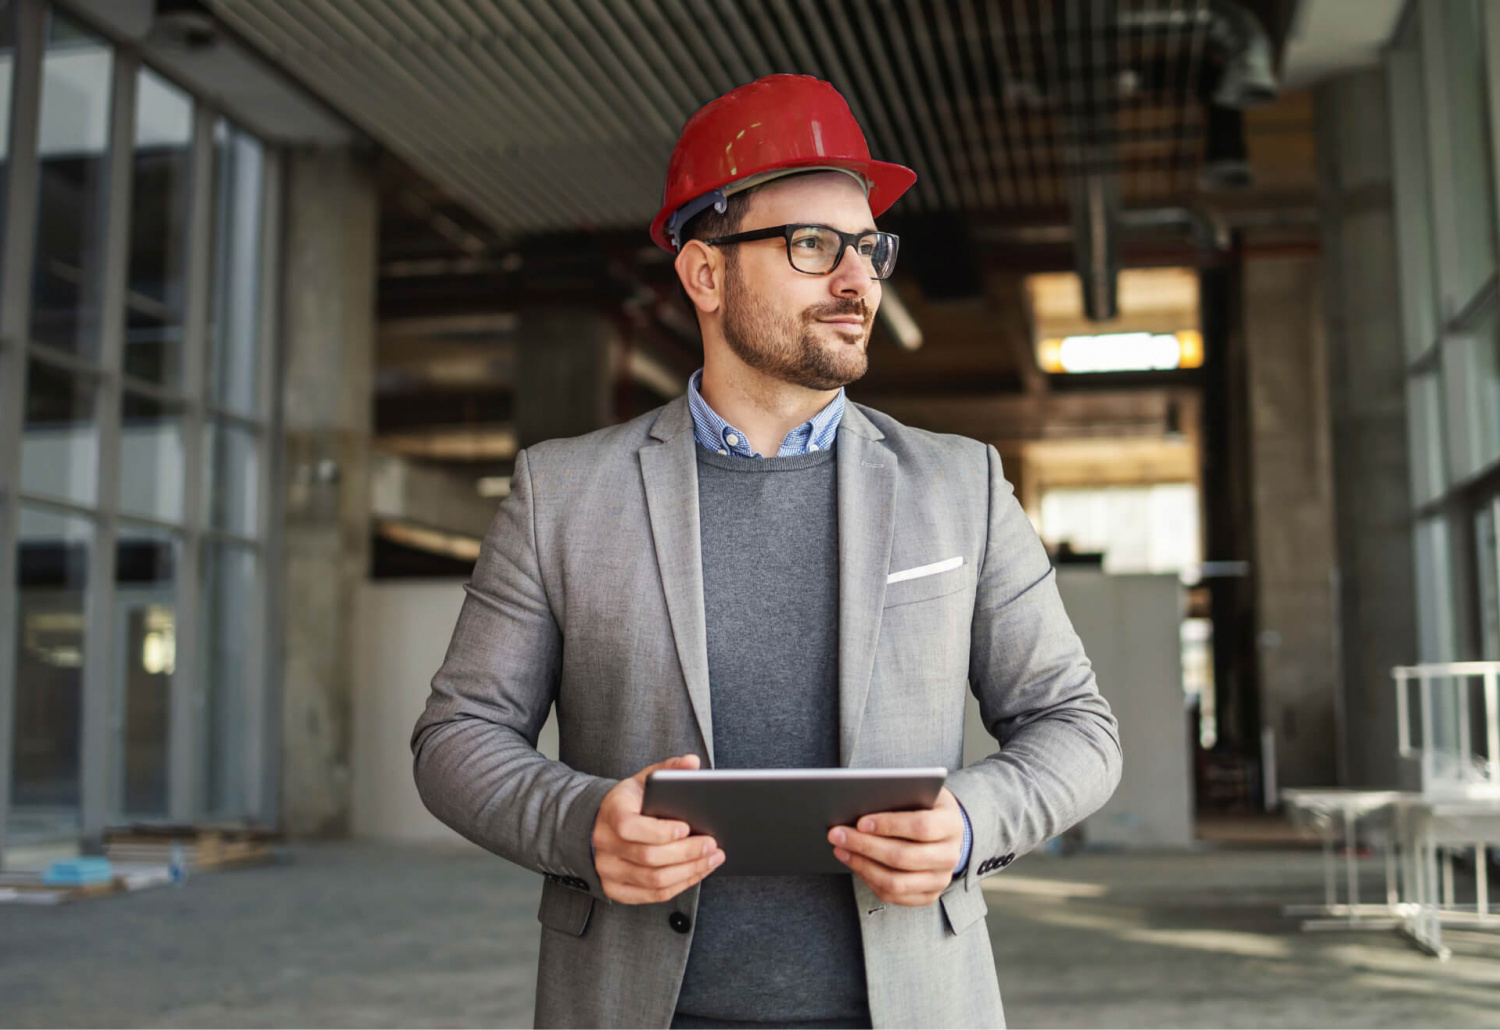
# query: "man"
{"points": [[763, 574]]}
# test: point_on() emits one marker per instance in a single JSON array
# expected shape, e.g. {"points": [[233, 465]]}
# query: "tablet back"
{"points": [[774, 822]]}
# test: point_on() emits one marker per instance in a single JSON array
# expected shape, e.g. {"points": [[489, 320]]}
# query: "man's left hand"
{"points": [[906, 858]]}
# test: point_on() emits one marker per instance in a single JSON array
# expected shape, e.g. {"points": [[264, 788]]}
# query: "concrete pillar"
{"points": [[1292, 497], [1377, 589], [331, 241]]}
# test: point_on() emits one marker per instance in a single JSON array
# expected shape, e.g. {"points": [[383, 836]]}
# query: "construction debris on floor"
{"points": [[137, 857]]}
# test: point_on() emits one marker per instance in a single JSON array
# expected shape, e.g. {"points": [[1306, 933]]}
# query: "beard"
{"points": [[789, 347]]}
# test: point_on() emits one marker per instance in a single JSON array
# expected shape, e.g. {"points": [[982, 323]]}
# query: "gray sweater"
{"points": [[773, 950]]}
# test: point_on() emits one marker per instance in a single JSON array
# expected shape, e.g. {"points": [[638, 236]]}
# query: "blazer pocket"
{"points": [[564, 908], [927, 581], [963, 908]]}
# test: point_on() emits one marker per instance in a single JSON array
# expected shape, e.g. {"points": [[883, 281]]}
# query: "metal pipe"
{"points": [[1249, 77], [899, 320], [1096, 243], [1206, 229]]}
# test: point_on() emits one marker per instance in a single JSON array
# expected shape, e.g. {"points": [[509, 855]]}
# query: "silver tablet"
{"points": [[775, 822]]}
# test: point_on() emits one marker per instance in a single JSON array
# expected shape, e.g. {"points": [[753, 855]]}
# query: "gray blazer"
{"points": [[588, 594]]}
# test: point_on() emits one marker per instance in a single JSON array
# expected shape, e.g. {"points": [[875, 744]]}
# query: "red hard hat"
{"points": [[780, 122]]}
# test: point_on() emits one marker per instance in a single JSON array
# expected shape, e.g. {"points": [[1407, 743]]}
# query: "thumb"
{"points": [[679, 762]]}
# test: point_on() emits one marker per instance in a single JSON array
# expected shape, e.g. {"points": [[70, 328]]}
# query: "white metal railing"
{"points": [[1446, 702]]}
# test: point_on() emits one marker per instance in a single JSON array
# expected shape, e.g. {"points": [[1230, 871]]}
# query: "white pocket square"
{"points": [[925, 570]]}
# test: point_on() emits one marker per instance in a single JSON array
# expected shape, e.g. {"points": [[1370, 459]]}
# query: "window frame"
{"points": [[101, 749]]}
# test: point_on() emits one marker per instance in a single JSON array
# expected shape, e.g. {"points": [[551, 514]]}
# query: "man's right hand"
{"points": [[642, 860]]}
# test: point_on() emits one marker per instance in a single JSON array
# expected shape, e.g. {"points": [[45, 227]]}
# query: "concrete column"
{"points": [[1292, 497], [331, 242], [1377, 589]]}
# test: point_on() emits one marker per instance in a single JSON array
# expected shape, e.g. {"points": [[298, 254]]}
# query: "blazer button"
{"points": [[679, 922]]}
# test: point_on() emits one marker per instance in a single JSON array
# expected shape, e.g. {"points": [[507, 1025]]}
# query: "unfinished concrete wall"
{"points": [[332, 216], [1292, 478], [1377, 587]]}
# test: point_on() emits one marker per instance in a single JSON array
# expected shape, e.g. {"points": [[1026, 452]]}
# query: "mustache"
{"points": [[845, 306]]}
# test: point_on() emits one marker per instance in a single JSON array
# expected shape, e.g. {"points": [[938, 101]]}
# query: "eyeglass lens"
{"points": [[815, 249]]}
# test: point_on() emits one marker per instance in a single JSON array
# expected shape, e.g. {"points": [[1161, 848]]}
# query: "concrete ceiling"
{"points": [[1327, 37], [560, 114]]}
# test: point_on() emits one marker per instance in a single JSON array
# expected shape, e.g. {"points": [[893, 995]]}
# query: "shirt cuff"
{"points": [[963, 856]]}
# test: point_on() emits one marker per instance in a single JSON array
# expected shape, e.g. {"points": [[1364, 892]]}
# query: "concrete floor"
{"points": [[374, 935]]}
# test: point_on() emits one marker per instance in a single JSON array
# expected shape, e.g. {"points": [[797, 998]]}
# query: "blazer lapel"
{"points": [[670, 471], [867, 522]]}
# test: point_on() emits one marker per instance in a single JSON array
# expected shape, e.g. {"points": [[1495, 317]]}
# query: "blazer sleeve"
{"points": [[474, 746], [1059, 757]]}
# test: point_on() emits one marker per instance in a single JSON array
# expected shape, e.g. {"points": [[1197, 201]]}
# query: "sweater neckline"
{"points": [[790, 463]]}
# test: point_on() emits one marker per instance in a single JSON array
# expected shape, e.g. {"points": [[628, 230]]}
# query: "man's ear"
{"points": [[700, 269]]}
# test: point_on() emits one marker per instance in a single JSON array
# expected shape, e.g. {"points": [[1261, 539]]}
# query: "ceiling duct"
{"points": [[1226, 160], [1232, 35], [1247, 76], [1092, 158]]}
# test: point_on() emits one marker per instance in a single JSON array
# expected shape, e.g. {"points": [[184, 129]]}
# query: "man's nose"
{"points": [[852, 277]]}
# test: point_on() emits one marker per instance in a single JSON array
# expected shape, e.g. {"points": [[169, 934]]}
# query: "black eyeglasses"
{"points": [[818, 249]]}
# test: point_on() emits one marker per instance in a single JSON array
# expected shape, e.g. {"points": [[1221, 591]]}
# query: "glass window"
{"points": [[230, 589], [145, 640], [1487, 534], [234, 333], [72, 145], [1413, 193], [1471, 383], [1464, 184], [151, 461], [7, 67], [231, 478], [1429, 461], [157, 298], [1150, 528], [1482, 385], [60, 448], [52, 568], [1435, 621]]}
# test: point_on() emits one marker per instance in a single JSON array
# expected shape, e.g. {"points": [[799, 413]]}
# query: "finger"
{"points": [[925, 825], [689, 850], [894, 886], [678, 876], [645, 829], [648, 885], [896, 853], [677, 762]]}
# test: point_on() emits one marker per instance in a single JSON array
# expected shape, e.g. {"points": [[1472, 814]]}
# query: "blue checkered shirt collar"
{"points": [[713, 433]]}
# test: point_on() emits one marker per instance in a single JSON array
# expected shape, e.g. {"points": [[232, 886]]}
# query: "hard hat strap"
{"points": [[687, 212]]}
